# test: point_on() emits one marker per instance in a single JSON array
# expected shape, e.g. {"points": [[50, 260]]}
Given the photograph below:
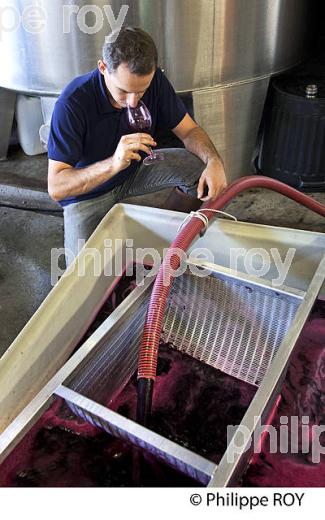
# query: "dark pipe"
{"points": [[145, 390]]}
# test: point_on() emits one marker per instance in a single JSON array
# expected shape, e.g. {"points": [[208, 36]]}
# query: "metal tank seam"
{"points": [[246, 81]]}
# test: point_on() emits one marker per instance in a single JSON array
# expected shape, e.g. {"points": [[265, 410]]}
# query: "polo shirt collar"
{"points": [[103, 103]]}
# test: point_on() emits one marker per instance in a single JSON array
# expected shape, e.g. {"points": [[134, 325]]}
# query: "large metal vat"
{"points": [[223, 51]]}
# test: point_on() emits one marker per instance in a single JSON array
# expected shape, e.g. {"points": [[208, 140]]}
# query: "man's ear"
{"points": [[101, 66]]}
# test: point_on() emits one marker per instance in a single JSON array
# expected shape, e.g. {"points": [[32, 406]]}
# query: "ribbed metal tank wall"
{"points": [[223, 51]]}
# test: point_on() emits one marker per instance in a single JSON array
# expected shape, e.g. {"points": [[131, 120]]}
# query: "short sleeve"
{"points": [[66, 137], [171, 109]]}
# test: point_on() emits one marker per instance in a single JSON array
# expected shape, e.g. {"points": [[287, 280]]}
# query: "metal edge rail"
{"points": [[183, 459], [262, 283]]}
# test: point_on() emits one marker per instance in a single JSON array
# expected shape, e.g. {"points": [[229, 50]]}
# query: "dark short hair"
{"points": [[132, 46]]}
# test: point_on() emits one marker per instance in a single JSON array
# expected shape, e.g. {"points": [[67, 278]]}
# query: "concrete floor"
{"points": [[25, 242], [34, 224]]}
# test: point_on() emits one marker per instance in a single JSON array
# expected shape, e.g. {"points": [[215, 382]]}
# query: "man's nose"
{"points": [[133, 100]]}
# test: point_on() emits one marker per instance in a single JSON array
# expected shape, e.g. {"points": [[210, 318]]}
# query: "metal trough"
{"points": [[32, 372]]}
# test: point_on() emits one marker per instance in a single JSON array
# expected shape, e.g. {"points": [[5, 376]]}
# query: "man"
{"points": [[95, 160]]}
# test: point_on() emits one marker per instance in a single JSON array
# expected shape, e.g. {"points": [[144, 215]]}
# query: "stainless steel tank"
{"points": [[223, 51]]}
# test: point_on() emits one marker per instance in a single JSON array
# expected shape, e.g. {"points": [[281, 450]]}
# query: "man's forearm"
{"points": [[213, 178], [198, 142], [71, 182]]}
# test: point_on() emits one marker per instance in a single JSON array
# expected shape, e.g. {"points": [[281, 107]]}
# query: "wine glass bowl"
{"points": [[139, 117], [139, 120]]}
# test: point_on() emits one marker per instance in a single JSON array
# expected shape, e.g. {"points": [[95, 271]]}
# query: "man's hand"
{"points": [[213, 178], [128, 148]]}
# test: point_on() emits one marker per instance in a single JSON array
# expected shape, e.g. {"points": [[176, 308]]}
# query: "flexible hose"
{"points": [[148, 356]]}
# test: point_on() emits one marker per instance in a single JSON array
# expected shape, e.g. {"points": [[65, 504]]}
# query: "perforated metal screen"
{"points": [[230, 325]]}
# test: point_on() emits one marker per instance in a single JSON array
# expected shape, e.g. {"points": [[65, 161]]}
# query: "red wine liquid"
{"points": [[140, 126]]}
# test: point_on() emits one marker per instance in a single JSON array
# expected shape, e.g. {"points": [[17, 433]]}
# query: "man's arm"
{"points": [[65, 181], [198, 142]]}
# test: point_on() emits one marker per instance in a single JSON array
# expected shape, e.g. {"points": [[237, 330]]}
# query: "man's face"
{"points": [[124, 87]]}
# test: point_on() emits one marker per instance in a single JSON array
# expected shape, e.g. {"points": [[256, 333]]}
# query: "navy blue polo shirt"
{"points": [[86, 127]]}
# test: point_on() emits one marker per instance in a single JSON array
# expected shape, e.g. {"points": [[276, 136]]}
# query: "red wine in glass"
{"points": [[139, 119]]}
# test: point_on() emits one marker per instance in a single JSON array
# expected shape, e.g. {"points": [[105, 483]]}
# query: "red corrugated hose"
{"points": [[147, 365]]}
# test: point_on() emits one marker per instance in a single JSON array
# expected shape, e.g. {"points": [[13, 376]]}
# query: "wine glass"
{"points": [[139, 119]]}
